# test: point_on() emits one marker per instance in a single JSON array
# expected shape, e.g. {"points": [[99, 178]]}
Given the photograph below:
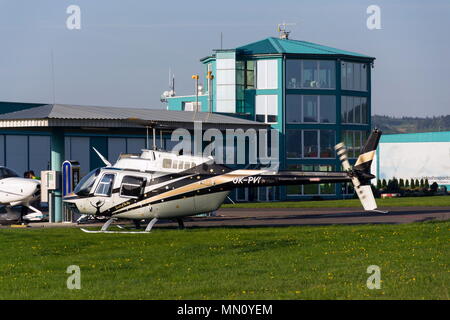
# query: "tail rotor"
{"points": [[360, 173]]}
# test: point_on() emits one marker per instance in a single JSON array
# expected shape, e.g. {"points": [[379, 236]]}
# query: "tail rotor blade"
{"points": [[364, 192]]}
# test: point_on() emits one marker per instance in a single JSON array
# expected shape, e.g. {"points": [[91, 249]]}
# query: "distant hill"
{"points": [[411, 125]]}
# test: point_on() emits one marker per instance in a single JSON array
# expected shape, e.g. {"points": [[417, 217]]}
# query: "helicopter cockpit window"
{"points": [[175, 164], [167, 163], [85, 185], [105, 185], [186, 165], [7, 173], [132, 187]]}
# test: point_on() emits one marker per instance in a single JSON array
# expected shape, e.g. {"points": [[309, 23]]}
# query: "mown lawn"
{"points": [[229, 263], [437, 201]]}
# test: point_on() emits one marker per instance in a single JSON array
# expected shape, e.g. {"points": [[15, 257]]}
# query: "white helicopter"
{"points": [[165, 185], [15, 191]]}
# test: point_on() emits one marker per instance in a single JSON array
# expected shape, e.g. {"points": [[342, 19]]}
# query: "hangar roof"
{"points": [[58, 115]]}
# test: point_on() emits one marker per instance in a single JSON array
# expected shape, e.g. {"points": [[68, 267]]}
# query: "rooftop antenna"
{"points": [[283, 32]]}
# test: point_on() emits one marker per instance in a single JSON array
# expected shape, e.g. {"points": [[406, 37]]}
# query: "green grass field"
{"points": [[229, 263], [437, 201]]}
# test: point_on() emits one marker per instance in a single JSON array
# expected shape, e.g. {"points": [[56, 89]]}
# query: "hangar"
{"points": [[414, 156], [41, 137]]}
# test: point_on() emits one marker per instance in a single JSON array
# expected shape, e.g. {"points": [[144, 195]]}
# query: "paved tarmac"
{"points": [[252, 217]]}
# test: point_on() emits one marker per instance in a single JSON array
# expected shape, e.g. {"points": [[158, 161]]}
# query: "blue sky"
{"points": [[123, 52]]}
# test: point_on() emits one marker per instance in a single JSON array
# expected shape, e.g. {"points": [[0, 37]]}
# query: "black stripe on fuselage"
{"points": [[286, 178]]}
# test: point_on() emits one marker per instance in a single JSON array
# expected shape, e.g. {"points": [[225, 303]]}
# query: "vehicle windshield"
{"points": [[85, 185], [7, 173]]}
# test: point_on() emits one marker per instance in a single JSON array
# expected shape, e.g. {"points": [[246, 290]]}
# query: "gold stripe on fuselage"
{"points": [[198, 185]]}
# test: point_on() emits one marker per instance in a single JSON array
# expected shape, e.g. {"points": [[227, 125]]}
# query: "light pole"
{"points": [[196, 77]]}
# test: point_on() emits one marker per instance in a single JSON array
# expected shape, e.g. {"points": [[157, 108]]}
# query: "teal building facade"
{"points": [[314, 95]]}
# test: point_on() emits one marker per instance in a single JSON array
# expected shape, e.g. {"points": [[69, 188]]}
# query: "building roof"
{"points": [[441, 136], [274, 45], [84, 116]]}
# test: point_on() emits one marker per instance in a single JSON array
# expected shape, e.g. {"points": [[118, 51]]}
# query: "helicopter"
{"points": [[163, 185]]}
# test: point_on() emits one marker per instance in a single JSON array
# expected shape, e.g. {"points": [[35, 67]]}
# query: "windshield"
{"points": [[7, 173], [85, 185]]}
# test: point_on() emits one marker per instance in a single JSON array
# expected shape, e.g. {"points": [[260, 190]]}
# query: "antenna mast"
{"points": [[283, 32]]}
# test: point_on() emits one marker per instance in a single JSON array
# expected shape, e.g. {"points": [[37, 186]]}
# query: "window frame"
{"points": [[319, 109], [144, 183], [97, 194], [315, 72]]}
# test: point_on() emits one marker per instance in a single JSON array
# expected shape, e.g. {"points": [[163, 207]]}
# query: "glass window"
{"points": [[293, 143], [295, 190], [327, 109], [132, 187], [84, 186], [250, 74], [357, 103], [7, 173], [293, 72], [309, 71], [354, 110], [354, 76], [349, 84], [293, 108], [105, 185], [326, 74], [327, 143], [266, 108], [364, 111], [364, 77], [267, 74], [310, 108], [310, 144], [167, 163]]}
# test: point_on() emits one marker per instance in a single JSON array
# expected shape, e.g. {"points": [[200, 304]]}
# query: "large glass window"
{"points": [[294, 143], [310, 74], [354, 141], [310, 144], [354, 110], [310, 108], [311, 189], [313, 143], [293, 74], [354, 76], [327, 143], [327, 109], [293, 108]]}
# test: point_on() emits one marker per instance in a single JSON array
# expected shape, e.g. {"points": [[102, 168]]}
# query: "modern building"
{"points": [[414, 156], [314, 95]]}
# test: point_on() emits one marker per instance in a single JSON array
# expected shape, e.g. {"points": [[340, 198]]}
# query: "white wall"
{"points": [[415, 160]]}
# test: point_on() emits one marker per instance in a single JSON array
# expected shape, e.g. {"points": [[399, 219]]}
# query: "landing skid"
{"points": [[379, 211], [105, 227]]}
